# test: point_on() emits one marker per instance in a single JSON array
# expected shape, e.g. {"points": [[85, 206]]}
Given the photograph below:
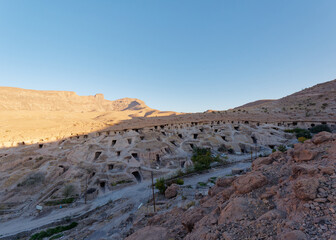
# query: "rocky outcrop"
{"points": [[302, 153], [306, 188], [283, 198], [294, 235], [322, 137], [249, 182], [150, 233], [172, 191], [191, 217]]}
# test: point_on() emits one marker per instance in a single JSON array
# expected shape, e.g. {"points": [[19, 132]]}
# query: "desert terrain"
{"points": [[67, 159]]}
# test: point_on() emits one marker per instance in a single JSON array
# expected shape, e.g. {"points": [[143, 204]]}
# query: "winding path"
{"points": [[140, 190]]}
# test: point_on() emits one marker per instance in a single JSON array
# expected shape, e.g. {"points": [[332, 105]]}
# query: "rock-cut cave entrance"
{"points": [[97, 154], [137, 176]]}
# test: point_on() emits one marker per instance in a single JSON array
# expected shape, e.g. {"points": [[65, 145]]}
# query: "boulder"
{"points": [[236, 171], [306, 188], [302, 154], [225, 181], [237, 209], [150, 233], [302, 169], [191, 217], [214, 190], [172, 191], [249, 182], [269, 192], [327, 170], [227, 192], [272, 214], [322, 137], [294, 235], [202, 232], [261, 161]]}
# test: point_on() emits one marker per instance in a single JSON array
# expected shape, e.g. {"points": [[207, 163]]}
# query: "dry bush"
{"points": [[32, 179]]}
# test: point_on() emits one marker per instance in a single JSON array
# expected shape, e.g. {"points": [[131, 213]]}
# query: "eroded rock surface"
{"points": [[282, 198]]}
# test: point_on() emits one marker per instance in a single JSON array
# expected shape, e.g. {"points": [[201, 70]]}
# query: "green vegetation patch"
{"points": [[202, 158], [51, 231], [59, 202], [160, 184], [56, 236], [282, 148], [304, 134], [320, 128], [202, 184], [212, 180], [179, 181], [300, 132]]}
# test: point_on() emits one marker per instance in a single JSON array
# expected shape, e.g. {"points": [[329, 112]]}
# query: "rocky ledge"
{"points": [[289, 195]]}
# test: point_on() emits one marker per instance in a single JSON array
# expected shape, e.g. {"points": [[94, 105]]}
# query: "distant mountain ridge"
{"points": [[318, 102], [34, 100], [256, 103]]}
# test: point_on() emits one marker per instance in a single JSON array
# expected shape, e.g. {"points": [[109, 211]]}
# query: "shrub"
{"points": [[178, 173], [324, 105], [212, 180], [32, 179], [160, 184], [179, 181], [222, 148], [282, 148], [302, 133], [320, 128], [202, 184], [302, 139], [231, 151], [202, 158], [299, 132], [273, 150], [190, 204], [68, 190]]}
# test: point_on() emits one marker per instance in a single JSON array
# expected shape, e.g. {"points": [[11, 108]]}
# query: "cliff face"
{"points": [[32, 100]]}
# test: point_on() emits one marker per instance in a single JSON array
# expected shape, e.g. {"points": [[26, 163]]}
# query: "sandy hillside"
{"points": [[30, 114]]}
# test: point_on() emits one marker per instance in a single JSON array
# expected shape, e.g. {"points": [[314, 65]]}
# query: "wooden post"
{"points": [[86, 186], [256, 149], [153, 191]]}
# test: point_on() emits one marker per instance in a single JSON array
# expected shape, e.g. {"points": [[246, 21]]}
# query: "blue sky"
{"points": [[181, 55]]}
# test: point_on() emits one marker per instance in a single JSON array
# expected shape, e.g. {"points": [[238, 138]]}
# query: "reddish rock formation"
{"points": [[150, 233], [282, 198], [171, 191], [249, 182], [306, 188]]}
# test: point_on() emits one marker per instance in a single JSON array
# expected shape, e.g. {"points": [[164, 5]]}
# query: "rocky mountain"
{"points": [[317, 102], [106, 152], [32, 100], [289, 195], [30, 114]]}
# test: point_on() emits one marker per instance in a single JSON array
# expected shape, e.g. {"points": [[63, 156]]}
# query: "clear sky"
{"points": [[181, 55]]}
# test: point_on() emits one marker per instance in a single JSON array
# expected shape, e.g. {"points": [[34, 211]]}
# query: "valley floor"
{"points": [[127, 198]]}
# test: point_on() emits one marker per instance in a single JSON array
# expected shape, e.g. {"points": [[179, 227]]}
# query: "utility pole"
{"points": [[86, 186], [153, 191], [256, 149]]}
